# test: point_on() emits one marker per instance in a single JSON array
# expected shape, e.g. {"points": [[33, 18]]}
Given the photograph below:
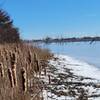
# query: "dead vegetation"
{"points": [[20, 66]]}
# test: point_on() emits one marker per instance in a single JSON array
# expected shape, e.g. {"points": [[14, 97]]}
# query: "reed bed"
{"points": [[19, 66]]}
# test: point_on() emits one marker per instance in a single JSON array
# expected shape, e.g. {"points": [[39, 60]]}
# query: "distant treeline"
{"points": [[60, 40]]}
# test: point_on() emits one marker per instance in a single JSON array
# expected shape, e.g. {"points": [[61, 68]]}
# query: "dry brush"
{"points": [[18, 65]]}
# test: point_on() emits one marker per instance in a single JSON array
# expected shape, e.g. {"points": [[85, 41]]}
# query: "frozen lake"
{"points": [[87, 52]]}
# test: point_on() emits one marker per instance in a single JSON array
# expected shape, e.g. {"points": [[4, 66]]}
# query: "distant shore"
{"points": [[62, 40]]}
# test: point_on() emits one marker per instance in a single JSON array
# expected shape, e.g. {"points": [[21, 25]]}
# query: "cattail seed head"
{"points": [[1, 70], [11, 77], [14, 74], [24, 80]]}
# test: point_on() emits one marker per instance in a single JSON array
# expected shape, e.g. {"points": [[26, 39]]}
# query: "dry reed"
{"points": [[14, 58]]}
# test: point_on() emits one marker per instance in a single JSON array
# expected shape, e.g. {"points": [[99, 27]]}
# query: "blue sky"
{"points": [[55, 18]]}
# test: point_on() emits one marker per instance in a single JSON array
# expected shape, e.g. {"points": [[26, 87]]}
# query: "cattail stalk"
{"points": [[37, 66], [13, 66], [36, 62], [29, 58], [11, 77], [49, 79], [14, 74], [24, 80], [1, 70]]}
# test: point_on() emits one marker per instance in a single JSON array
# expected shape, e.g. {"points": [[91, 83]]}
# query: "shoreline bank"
{"points": [[71, 79]]}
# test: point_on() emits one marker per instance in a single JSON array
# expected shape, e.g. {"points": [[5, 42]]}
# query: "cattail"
{"points": [[10, 53], [24, 80], [29, 60], [39, 68], [36, 63], [11, 77], [29, 57], [13, 58], [45, 71], [1, 70], [35, 57], [13, 66], [49, 79], [14, 74], [6, 53]]}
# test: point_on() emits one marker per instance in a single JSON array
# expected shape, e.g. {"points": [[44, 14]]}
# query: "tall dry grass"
{"points": [[19, 64]]}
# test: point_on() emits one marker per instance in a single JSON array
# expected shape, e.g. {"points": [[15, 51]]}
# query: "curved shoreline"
{"points": [[89, 70], [71, 79]]}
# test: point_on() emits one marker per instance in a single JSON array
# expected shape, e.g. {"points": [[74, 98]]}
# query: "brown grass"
{"points": [[13, 58]]}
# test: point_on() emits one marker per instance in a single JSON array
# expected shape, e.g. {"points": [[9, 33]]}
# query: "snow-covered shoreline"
{"points": [[79, 67], [71, 79]]}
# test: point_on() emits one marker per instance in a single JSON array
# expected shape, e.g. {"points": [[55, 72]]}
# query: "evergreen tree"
{"points": [[8, 33]]}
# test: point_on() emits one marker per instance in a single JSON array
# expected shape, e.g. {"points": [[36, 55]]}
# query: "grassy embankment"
{"points": [[19, 64]]}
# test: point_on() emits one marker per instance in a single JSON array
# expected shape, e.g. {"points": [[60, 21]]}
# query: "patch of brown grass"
{"points": [[16, 57]]}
